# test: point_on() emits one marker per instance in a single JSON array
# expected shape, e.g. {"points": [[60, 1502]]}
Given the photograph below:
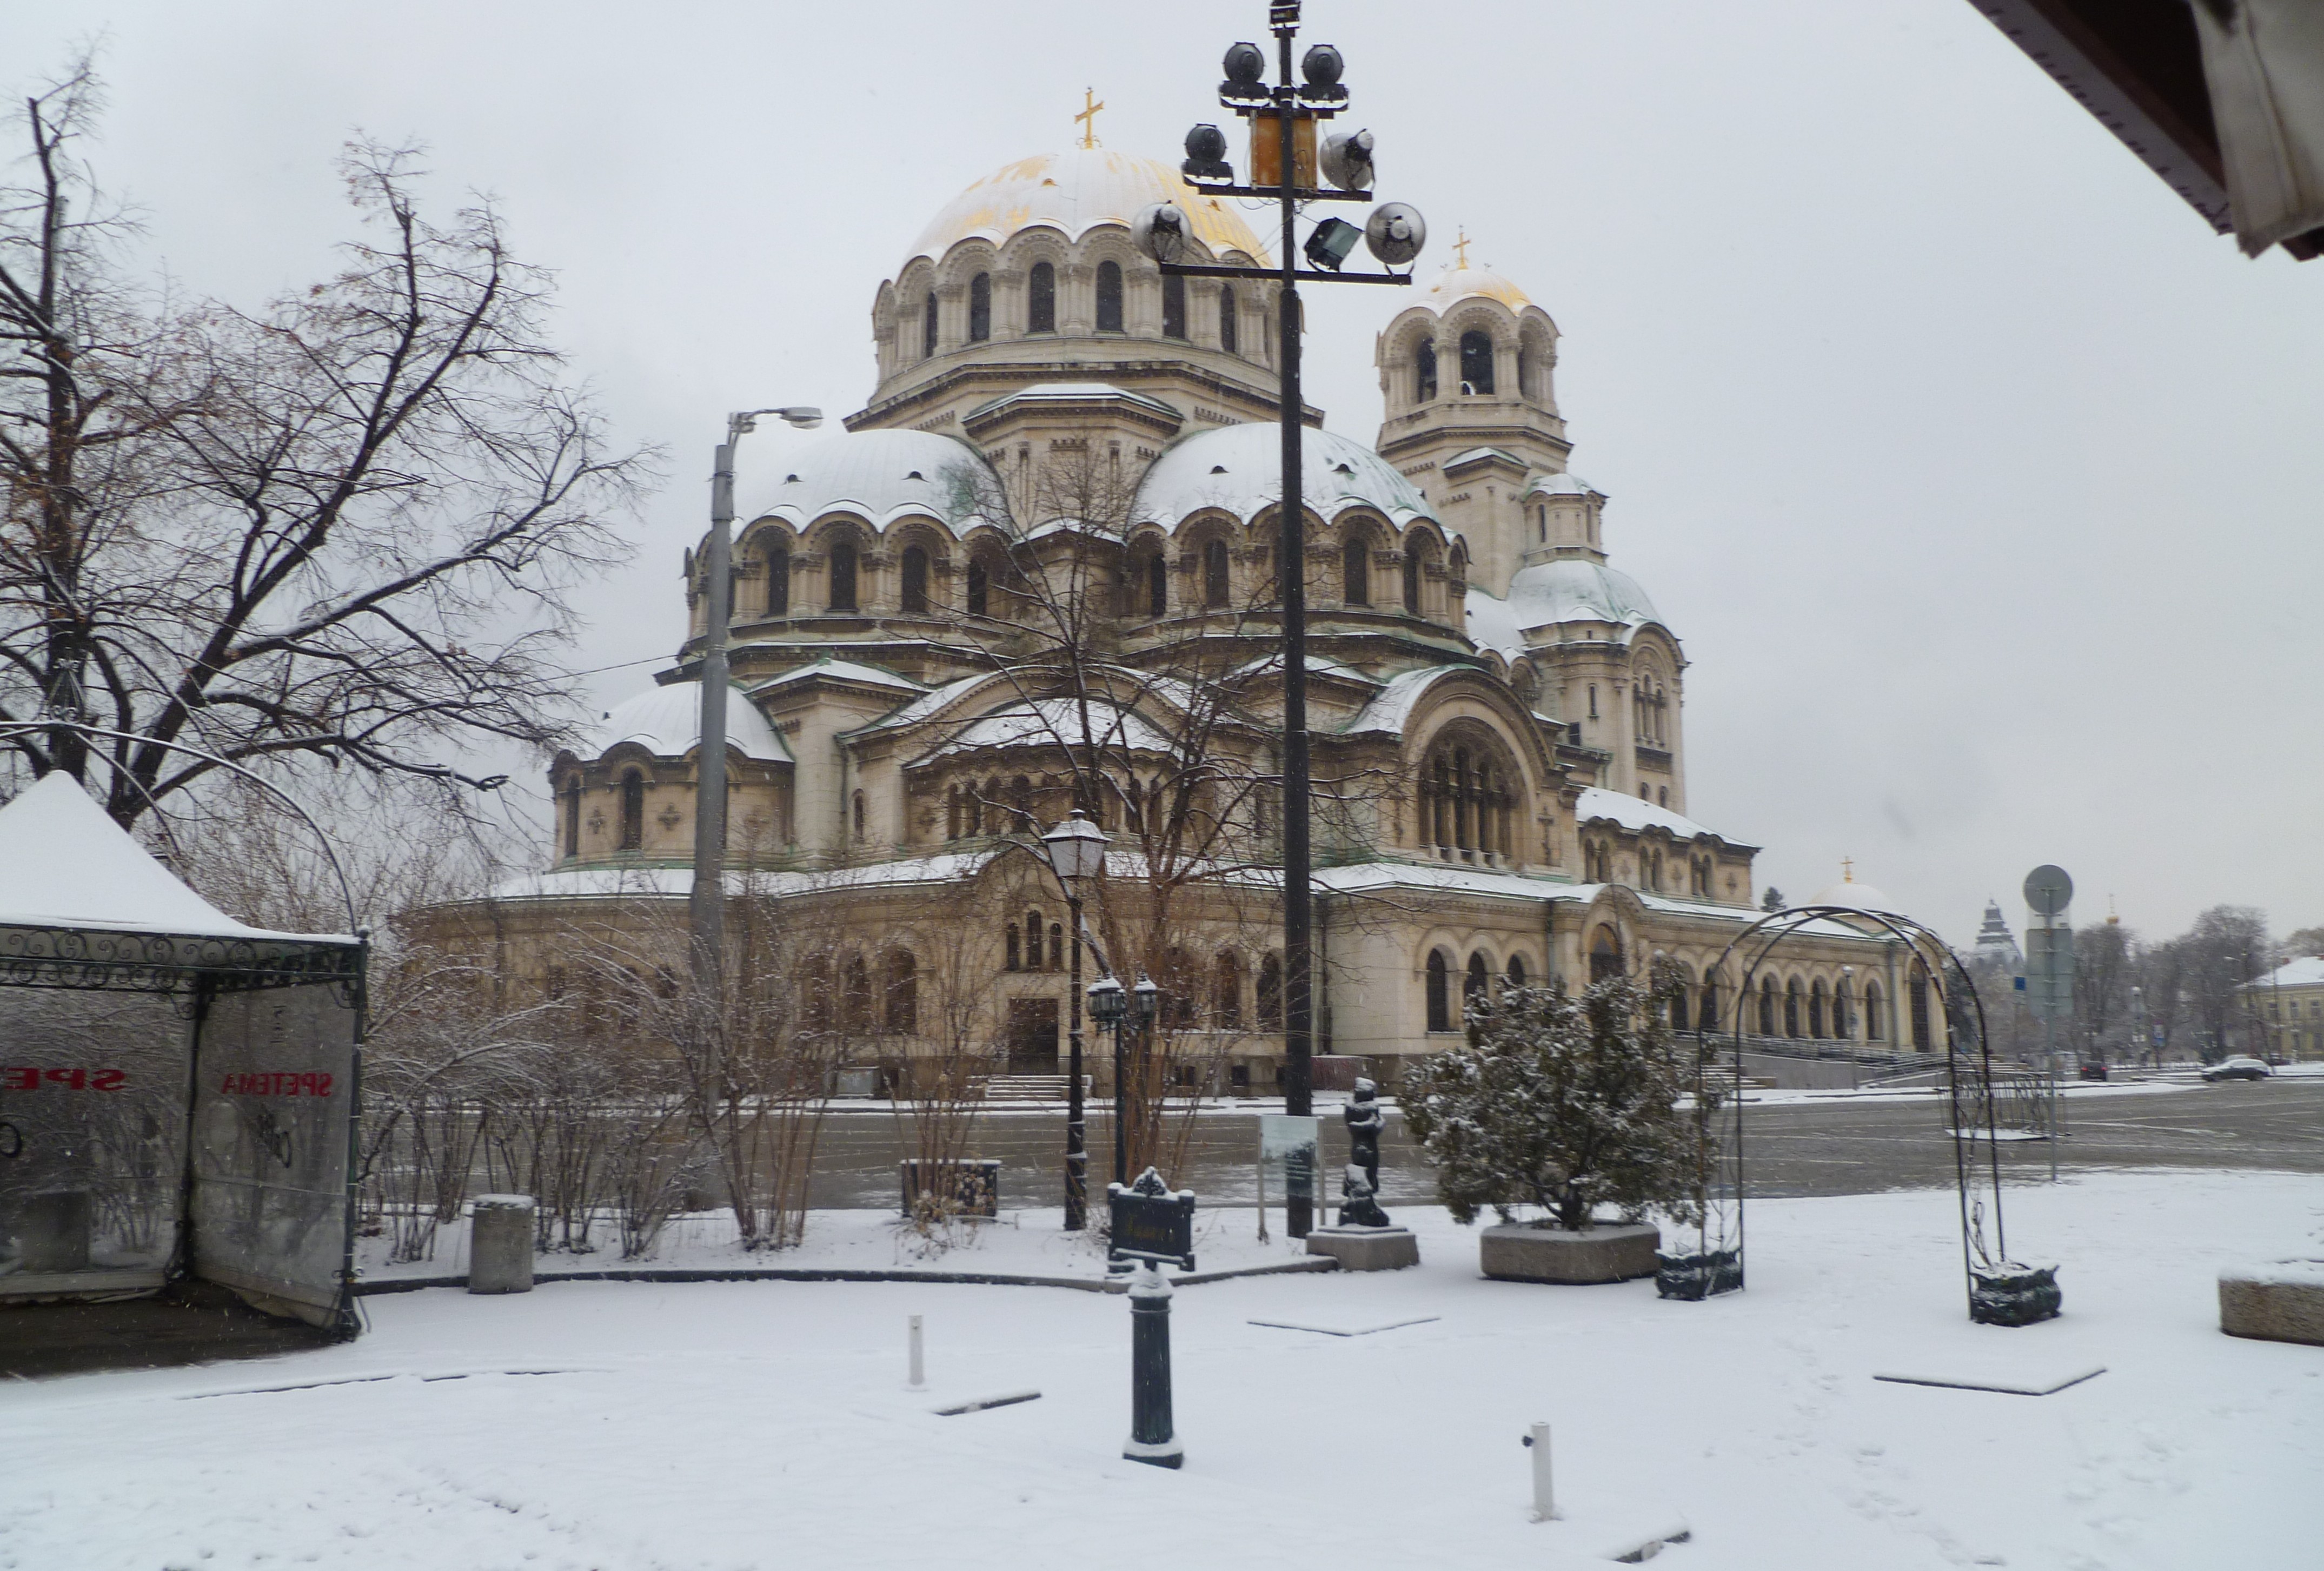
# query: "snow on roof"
{"points": [[1056, 721], [677, 882], [1575, 590], [1317, 666], [64, 863], [1631, 813], [1075, 191], [1459, 283], [666, 722], [1365, 877], [1240, 468], [845, 671], [1390, 708], [1470, 455], [1492, 623], [1849, 893], [1565, 482], [881, 476], [1073, 392], [2308, 971]]}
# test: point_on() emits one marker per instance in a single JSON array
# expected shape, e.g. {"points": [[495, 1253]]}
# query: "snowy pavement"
{"points": [[620, 1427]]}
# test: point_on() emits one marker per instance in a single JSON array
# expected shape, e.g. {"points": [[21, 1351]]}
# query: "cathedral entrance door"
{"points": [[1033, 1036]]}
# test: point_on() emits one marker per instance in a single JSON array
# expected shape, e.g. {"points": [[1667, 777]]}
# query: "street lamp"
{"points": [[706, 905], [1111, 1006], [1076, 853], [1283, 147], [1848, 1019]]}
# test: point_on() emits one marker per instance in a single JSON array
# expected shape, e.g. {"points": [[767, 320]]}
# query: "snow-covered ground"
{"points": [[620, 1425]]}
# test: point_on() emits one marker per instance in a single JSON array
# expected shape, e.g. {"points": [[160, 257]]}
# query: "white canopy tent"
{"points": [[177, 1089]]}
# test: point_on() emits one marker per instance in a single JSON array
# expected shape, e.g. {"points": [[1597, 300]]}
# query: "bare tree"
{"points": [[2227, 948], [343, 527]]}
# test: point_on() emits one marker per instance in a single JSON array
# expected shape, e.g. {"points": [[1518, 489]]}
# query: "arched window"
{"points": [[1465, 805], [633, 810], [1517, 971], [1412, 579], [1678, 1006], [1356, 572], [855, 814], [1214, 572], [1157, 586], [1478, 987], [1226, 995], [842, 575], [979, 307], [1605, 956], [1230, 330], [1020, 815], [1033, 926], [1476, 363], [778, 558], [572, 816], [995, 817], [1706, 1019], [1173, 306], [1842, 1007], [1012, 963], [1767, 1006], [951, 812], [1423, 388], [1815, 1011], [1056, 946], [814, 991], [1792, 1007], [903, 1011], [929, 326], [915, 581], [980, 590], [1270, 993], [1440, 999], [1917, 995], [1874, 1027], [1041, 299], [1109, 297]]}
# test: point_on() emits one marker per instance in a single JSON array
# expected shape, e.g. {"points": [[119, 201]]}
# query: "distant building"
{"points": [[1996, 943], [2286, 1009]]}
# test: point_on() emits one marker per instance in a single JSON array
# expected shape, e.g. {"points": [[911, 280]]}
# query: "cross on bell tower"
{"points": [[1087, 118]]}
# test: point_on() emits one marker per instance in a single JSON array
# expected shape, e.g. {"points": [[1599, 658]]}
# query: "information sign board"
{"points": [[1294, 1141], [1150, 1222]]}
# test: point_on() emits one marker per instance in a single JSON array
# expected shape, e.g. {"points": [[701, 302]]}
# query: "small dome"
{"points": [[1573, 590], [666, 722], [1240, 468], [882, 475], [1563, 484], [1073, 192], [1459, 283], [1850, 892]]}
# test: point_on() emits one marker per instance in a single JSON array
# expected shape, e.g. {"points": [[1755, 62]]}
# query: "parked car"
{"points": [[2239, 1067], [2094, 1070]]}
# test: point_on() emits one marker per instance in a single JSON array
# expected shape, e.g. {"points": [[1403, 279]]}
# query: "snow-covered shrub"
{"points": [[1562, 1102]]}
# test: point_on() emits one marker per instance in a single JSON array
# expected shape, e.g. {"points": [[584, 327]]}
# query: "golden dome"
{"points": [[1459, 283], [1073, 192]]}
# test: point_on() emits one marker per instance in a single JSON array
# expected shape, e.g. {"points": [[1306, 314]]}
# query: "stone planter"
{"points": [[1518, 1252], [1367, 1249], [2281, 1302]]}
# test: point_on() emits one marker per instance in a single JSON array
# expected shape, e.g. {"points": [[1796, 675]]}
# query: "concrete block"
{"points": [[1367, 1249], [500, 1244], [1516, 1251], [2282, 1301]]}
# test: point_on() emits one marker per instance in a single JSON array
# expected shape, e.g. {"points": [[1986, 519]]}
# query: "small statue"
{"points": [[1361, 1183]]}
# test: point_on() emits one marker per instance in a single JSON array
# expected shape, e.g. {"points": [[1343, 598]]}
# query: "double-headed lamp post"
{"points": [[706, 905], [1076, 853], [1112, 1005]]}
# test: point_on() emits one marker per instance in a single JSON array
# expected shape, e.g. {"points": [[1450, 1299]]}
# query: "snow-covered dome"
{"points": [[1850, 892], [666, 722], [1574, 589], [1563, 484], [1240, 467], [1073, 192], [1456, 284], [882, 474]]}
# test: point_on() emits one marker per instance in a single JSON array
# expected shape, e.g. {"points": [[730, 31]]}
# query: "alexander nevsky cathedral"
{"points": [[1035, 572]]}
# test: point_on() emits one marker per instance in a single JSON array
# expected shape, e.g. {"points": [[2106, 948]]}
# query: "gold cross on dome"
{"points": [[1847, 870], [1087, 118], [1461, 251]]}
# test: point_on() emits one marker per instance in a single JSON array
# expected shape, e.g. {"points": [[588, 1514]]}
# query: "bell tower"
{"points": [[1468, 375]]}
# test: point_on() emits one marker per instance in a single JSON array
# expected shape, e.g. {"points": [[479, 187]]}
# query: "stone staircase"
{"points": [[1031, 1089]]}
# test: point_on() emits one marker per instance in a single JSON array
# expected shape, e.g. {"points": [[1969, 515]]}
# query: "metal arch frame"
{"points": [[1972, 1099]]}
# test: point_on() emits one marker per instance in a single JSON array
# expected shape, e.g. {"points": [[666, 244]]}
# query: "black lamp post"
{"points": [[1076, 853], [1283, 148]]}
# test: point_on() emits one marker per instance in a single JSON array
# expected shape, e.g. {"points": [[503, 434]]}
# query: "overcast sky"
{"points": [[1979, 478]]}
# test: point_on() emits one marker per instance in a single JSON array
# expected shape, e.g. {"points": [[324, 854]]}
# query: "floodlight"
{"points": [[1322, 66], [1207, 154], [1348, 160], [1160, 230], [1246, 64], [1396, 232], [1332, 242]]}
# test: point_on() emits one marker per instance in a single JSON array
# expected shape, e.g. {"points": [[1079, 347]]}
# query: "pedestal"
{"points": [[500, 1244], [1367, 1249], [1153, 1436]]}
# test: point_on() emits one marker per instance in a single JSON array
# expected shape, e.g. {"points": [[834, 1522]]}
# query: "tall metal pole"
{"points": [[705, 906], [1291, 583], [1076, 1139]]}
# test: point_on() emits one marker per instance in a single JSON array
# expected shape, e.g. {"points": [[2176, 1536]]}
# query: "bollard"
{"points": [[500, 1244], [1152, 1438], [1544, 1497], [919, 1371]]}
